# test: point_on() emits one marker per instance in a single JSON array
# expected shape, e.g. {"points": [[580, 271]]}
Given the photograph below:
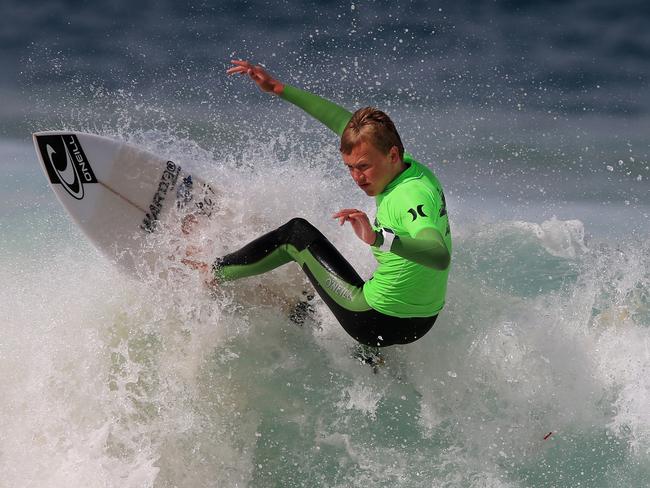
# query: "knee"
{"points": [[299, 223], [300, 227], [300, 232]]}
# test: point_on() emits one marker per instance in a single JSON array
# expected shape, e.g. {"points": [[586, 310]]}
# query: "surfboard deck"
{"points": [[118, 193]]}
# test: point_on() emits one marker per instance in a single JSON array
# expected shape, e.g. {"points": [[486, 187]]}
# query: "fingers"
{"points": [[258, 77], [349, 214], [240, 65], [344, 215], [198, 265], [232, 71], [192, 250], [241, 62], [244, 67], [345, 211], [258, 74], [239, 70], [357, 216]]}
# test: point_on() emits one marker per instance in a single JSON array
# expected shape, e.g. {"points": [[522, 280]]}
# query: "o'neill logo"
{"points": [[65, 163], [338, 287]]}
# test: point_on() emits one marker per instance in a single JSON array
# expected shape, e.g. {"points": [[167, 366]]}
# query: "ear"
{"points": [[394, 154]]}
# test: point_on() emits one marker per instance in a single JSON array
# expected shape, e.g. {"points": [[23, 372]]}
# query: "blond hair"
{"points": [[373, 126]]}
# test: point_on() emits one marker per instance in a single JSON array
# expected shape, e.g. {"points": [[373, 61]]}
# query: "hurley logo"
{"points": [[414, 213]]}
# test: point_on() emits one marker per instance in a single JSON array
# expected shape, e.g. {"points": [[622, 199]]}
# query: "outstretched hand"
{"points": [[360, 224], [258, 74]]}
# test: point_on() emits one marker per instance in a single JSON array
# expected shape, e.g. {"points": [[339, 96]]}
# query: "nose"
{"points": [[358, 176]]}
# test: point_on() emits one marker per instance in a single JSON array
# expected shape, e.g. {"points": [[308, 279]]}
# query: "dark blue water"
{"points": [[561, 56], [535, 116]]}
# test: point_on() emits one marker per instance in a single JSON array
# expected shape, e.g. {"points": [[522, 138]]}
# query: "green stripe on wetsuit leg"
{"points": [[233, 272], [345, 294]]}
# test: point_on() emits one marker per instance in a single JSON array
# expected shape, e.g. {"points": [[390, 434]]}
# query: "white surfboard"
{"points": [[117, 193]]}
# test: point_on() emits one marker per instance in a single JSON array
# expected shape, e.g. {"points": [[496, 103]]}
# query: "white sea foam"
{"points": [[111, 381]]}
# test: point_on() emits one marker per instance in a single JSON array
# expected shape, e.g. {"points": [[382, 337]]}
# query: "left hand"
{"points": [[360, 224], [259, 75]]}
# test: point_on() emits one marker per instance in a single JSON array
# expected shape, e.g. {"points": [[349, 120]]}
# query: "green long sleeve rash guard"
{"points": [[411, 278]]}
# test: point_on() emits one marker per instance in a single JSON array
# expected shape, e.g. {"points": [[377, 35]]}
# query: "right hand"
{"points": [[258, 74], [360, 224]]}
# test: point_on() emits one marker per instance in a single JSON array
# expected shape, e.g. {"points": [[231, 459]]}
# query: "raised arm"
{"points": [[330, 114]]}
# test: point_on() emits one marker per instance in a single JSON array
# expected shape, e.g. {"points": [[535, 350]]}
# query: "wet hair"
{"points": [[374, 127]]}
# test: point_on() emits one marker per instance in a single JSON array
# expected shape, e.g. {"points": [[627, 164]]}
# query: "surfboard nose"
{"points": [[118, 193]]}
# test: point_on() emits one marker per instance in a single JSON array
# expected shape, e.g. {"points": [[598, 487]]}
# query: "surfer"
{"points": [[410, 236]]}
